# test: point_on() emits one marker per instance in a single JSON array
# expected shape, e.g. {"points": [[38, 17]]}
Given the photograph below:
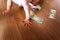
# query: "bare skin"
{"points": [[25, 4], [26, 7]]}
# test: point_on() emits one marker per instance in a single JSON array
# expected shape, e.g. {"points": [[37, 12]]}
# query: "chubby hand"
{"points": [[27, 22], [5, 12]]}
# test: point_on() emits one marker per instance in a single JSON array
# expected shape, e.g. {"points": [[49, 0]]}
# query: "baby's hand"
{"points": [[5, 12], [27, 22]]}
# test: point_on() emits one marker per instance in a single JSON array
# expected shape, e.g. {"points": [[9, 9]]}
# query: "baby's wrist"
{"points": [[7, 9], [28, 18]]}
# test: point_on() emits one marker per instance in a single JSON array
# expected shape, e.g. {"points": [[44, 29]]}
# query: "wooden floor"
{"points": [[12, 27]]}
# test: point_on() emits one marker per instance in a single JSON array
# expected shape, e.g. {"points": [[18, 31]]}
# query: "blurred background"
{"points": [[12, 27]]}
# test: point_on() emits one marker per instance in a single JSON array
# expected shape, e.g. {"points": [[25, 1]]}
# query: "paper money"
{"points": [[52, 14], [35, 17]]}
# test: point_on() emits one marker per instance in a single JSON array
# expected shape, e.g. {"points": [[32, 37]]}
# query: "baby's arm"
{"points": [[7, 10], [27, 11], [26, 8], [9, 2]]}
